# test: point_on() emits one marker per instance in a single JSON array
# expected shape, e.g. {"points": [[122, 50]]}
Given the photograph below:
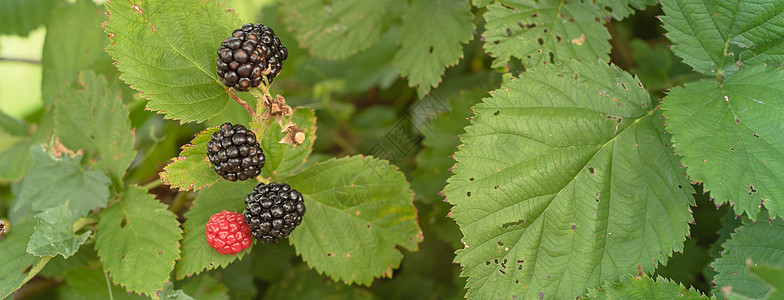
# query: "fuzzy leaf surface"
{"points": [[729, 137], [54, 234], [14, 260], [359, 209], [19, 17], [94, 118], [192, 170], [336, 29], [762, 242], [63, 55], [643, 287], [711, 36], [167, 50], [440, 141], [281, 159], [564, 180], [137, 241], [540, 32], [431, 38], [54, 181], [197, 256]]}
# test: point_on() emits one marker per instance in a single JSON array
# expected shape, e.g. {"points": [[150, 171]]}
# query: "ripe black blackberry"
{"points": [[273, 210], [235, 153], [244, 57]]}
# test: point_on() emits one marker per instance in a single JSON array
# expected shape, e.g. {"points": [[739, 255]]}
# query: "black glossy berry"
{"points": [[273, 210], [247, 53], [234, 152]]}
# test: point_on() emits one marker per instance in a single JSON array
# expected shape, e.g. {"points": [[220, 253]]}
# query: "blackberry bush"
{"points": [[234, 153], [250, 53], [273, 210]]}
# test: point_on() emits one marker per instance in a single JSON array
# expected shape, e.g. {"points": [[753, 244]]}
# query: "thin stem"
{"points": [[21, 60], [343, 143], [108, 285], [241, 102], [81, 222], [152, 184], [719, 77], [179, 201], [37, 268]]}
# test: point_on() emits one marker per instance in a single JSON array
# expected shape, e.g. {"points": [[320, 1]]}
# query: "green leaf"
{"points": [[620, 9], [15, 262], [440, 142], [167, 51], [94, 118], [337, 29], [205, 287], [19, 17], [169, 293], [54, 234], [540, 32], [431, 38], [276, 258], [137, 241], [359, 209], [759, 242], [711, 36], [7, 140], [364, 70], [481, 3], [12, 126], [56, 181], [191, 170], [15, 161], [90, 283], [643, 287], [59, 265], [301, 283], [729, 137], [729, 222], [774, 276], [239, 278], [197, 256], [281, 159], [63, 55], [564, 180]]}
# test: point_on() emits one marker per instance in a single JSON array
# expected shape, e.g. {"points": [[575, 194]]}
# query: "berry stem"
{"points": [[241, 102], [179, 201], [261, 98], [108, 285], [152, 184], [81, 223]]}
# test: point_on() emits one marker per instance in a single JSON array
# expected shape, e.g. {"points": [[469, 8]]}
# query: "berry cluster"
{"points": [[273, 210], [250, 53], [235, 153]]}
